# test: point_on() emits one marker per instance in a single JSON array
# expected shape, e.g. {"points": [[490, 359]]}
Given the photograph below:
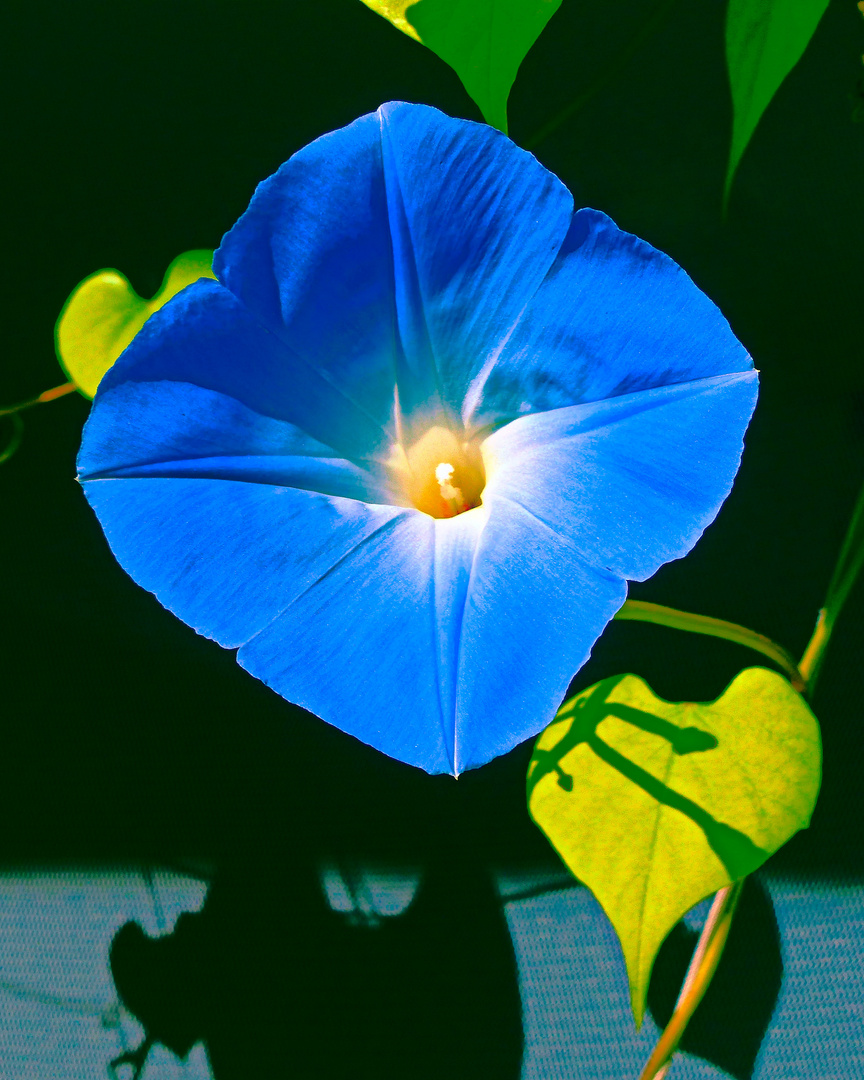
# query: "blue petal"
{"points": [[400, 249], [441, 643], [580, 499], [372, 648], [613, 316], [468, 642], [351, 611], [142, 422], [175, 429], [534, 609], [228, 557], [206, 337], [634, 480]]}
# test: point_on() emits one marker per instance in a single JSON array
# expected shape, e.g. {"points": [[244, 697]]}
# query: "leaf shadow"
{"points": [[739, 855]]}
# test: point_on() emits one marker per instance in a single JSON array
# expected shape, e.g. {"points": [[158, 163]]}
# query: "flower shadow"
{"points": [[276, 982]]}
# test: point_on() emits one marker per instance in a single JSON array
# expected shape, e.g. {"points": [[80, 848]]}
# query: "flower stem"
{"points": [[650, 27], [811, 658], [13, 411], [849, 565], [642, 611], [46, 396], [706, 957]]}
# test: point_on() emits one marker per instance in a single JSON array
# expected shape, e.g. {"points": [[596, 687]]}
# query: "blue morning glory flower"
{"points": [[406, 451]]}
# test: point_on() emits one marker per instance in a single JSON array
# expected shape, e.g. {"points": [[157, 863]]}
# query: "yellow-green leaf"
{"points": [[765, 39], [394, 12], [103, 314], [654, 805], [484, 41]]}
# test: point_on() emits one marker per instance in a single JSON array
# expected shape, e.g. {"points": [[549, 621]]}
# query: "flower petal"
{"points": [[401, 248], [372, 648], [227, 557], [634, 480], [174, 429], [534, 609], [468, 641], [206, 337], [359, 622], [613, 316]]}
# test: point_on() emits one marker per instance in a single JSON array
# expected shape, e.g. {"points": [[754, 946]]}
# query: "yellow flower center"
{"points": [[439, 474]]}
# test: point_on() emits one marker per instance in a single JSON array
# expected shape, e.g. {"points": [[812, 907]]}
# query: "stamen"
{"points": [[451, 495]]}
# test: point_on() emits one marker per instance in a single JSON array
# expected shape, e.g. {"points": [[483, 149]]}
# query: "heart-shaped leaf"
{"points": [[484, 41], [103, 314], [765, 39], [655, 805]]}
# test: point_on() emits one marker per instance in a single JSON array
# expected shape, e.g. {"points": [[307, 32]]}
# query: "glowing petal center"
{"points": [[439, 474]]}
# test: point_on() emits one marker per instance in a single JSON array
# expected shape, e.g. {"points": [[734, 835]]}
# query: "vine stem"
{"points": [[850, 563], [706, 957], [812, 657], [642, 611], [46, 396], [14, 414], [802, 676]]}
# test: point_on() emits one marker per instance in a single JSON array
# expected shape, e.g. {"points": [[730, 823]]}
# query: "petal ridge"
{"points": [[474, 392], [488, 220], [454, 537], [563, 537], [436, 658], [405, 257], [639, 489], [323, 476], [613, 314], [642, 401], [530, 624], [372, 676], [384, 527], [161, 352]]}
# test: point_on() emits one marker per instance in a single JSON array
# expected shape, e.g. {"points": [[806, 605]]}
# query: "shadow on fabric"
{"points": [[277, 983]]}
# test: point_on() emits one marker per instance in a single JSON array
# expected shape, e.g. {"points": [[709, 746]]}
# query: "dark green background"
{"points": [[133, 131]]}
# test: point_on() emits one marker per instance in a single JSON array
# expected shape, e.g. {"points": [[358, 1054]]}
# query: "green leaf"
{"points": [[765, 39], [103, 314], [484, 41], [655, 805]]}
